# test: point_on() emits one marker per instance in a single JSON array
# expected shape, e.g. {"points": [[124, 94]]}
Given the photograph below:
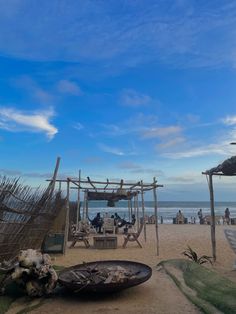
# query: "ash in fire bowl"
{"points": [[104, 276]]}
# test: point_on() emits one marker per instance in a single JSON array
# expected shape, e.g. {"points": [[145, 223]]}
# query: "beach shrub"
{"points": [[191, 254]]}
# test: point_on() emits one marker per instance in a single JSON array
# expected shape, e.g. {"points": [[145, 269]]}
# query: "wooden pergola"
{"points": [[110, 191], [224, 169]]}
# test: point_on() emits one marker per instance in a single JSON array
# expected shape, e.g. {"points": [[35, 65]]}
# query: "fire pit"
{"points": [[104, 276]]}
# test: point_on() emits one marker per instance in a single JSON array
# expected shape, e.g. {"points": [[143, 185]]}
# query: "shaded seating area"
{"points": [[112, 192], [132, 236]]}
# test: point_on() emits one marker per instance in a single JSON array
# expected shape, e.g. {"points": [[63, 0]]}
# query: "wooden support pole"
{"points": [[156, 215], [84, 205], [78, 214], [137, 201], [53, 181], [213, 234], [67, 217], [129, 208], [143, 211]]}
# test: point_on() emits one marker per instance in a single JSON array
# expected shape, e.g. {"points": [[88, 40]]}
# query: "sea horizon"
{"points": [[166, 209]]}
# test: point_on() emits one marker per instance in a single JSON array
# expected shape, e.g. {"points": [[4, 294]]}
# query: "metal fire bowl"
{"points": [[144, 272]]}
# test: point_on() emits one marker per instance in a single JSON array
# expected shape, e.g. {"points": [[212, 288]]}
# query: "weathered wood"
{"points": [[78, 214], [102, 182], [213, 236], [86, 205], [156, 216], [66, 233], [143, 211], [54, 178], [129, 209], [137, 202]]}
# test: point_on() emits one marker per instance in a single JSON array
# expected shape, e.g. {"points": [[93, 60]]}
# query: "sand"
{"points": [[159, 294]]}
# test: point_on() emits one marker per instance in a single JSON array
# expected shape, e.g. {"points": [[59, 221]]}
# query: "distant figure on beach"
{"points": [[200, 216], [161, 219], [179, 217], [227, 215]]}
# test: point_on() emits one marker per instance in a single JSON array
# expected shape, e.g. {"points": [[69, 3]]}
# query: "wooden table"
{"points": [[105, 242]]}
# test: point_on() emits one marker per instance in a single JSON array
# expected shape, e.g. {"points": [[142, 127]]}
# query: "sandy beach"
{"points": [[157, 295]]}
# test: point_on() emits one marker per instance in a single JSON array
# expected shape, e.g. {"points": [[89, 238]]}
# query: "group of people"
{"points": [[226, 218], [97, 221], [180, 217]]}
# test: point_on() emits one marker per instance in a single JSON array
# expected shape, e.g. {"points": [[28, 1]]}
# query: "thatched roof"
{"points": [[227, 167]]}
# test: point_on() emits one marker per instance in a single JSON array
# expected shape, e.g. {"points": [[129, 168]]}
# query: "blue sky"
{"points": [[119, 89]]}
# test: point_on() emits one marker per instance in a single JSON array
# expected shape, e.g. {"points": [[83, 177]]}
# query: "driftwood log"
{"points": [[33, 271]]}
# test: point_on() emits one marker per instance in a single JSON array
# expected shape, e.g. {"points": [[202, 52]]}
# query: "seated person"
{"points": [[97, 222], [117, 219], [128, 224], [179, 217]]}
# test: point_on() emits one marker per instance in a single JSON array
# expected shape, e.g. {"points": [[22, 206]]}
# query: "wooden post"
{"points": [[156, 215], [143, 210], [129, 208], [78, 215], [67, 216], [137, 202], [52, 183], [213, 234], [84, 205]]}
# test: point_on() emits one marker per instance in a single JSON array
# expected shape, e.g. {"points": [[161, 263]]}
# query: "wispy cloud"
{"points": [[78, 126], [160, 132], [15, 120], [111, 150], [182, 35], [69, 87], [115, 150], [171, 142], [132, 98], [34, 90], [219, 145]]}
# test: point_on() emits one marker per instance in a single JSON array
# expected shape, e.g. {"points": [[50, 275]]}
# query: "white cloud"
{"points": [[229, 120], [15, 120], [222, 148], [217, 145], [132, 98], [160, 132], [69, 87], [111, 150]]}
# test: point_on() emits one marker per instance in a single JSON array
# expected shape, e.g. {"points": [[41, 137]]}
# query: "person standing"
{"points": [[200, 216], [227, 215]]}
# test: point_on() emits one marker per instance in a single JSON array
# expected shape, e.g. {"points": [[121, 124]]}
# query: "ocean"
{"points": [[166, 209]]}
